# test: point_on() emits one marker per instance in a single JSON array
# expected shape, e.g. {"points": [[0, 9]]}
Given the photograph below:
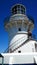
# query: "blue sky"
{"points": [[5, 10]]}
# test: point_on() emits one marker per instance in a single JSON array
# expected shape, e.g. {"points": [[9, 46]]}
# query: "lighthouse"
{"points": [[22, 47], [19, 27]]}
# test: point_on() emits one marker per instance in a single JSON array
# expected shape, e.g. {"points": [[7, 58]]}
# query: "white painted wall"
{"points": [[18, 40], [0, 60], [19, 58], [27, 47]]}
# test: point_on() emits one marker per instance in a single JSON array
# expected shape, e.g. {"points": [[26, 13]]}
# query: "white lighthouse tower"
{"points": [[19, 27], [22, 48]]}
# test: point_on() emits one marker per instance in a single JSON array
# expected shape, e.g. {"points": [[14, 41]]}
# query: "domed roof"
{"points": [[18, 9], [17, 5]]}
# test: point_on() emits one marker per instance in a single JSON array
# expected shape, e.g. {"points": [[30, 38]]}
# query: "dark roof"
{"points": [[17, 5], [1, 55]]}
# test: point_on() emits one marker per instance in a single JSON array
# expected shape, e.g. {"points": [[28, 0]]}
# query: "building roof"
{"points": [[17, 5]]}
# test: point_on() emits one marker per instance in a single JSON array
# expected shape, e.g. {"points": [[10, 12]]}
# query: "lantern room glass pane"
{"points": [[18, 9]]}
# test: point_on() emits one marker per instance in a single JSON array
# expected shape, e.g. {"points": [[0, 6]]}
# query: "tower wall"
{"points": [[18, 22]]}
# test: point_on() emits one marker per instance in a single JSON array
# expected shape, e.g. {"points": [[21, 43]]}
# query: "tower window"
{"points": [[19, 51], [19, 29]]}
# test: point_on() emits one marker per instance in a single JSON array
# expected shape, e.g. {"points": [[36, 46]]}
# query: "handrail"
{"points": [[12, 44]]}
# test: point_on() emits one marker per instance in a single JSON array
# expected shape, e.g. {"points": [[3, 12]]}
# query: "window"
{"points": [[19, 29], [14, 10], [19, 51], [22, 10]]}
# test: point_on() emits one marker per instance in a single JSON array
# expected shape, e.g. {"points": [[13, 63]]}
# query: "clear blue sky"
{"points": [[5, 6]]}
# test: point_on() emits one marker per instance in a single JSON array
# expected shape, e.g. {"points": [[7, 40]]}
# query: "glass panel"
{"points": [[22, 9], [14, 10], [18, 10]]}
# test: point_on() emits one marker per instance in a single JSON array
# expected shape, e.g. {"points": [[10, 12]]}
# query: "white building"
{"points": [[19, 27]]}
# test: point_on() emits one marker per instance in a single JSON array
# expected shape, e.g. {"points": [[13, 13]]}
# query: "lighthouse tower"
{"points": [[19, 27]]}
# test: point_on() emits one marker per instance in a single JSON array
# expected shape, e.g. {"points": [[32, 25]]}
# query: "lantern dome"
{"points": [[18, 9]]}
